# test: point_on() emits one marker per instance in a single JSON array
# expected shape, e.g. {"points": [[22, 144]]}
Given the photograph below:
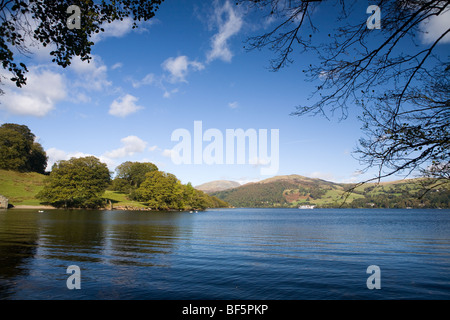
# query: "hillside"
{"points": [[295, 190], [20, 188], [218, 185], [280, 191]]}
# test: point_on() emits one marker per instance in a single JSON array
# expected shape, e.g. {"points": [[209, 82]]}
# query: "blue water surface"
{"points": [[256, 254]]}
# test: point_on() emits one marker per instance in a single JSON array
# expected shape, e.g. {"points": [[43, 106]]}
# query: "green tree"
{"points": [[188, 196], [193, 199], [202, 201], [37, 160], [130, 175], [160, 190], [121, 185], [76, 183], [163, 191], [50, 27], [13, 150], [19, 151]]}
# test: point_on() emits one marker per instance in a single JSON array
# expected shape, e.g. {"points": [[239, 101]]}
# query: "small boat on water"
{"points": [[41, 211], [307, 207]]}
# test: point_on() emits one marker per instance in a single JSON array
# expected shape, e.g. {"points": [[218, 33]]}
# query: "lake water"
{"points": [[257, 254]]}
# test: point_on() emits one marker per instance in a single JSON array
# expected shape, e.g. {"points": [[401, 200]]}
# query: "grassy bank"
{"points": [[21, 188], [119, 199]]}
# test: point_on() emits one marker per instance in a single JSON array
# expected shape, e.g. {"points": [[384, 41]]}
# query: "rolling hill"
{"points": [[296, 190], [218, 185], [280, 191], [20, 188]]}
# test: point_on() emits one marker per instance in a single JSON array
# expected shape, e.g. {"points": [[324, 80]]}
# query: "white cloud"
{"points": [[152, 148], [131, 145], [92, 75], [268, 21], [167, 153], [245, 180], [118, 29], [149, 79], [227, 28], [158, 81], [124, 106], [233, 105], [322, 175], [55, 155], [434, 27], [117, 66], [168, 94], [258, 162], [44, 89], [179, 67], [354, 177]]}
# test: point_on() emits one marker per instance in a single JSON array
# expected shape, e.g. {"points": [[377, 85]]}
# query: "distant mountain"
{"points": [[218, 185], [296, 190], [295, 178]]}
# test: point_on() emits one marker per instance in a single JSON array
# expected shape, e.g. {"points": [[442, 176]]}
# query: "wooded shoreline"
{"points": [[118, 208]]}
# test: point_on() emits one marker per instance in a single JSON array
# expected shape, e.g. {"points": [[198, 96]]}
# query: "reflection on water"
{"points": [[112, 238], [18, 242], [225, 254], [34, 243]]}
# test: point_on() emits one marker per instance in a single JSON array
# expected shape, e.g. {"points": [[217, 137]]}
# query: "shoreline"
{"points": [[118, 208], [36, 207], [129, 208]]}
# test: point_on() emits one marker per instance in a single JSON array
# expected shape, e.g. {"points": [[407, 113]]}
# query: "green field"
{"points": [[21, 189], [119, 199], [334, 196]]}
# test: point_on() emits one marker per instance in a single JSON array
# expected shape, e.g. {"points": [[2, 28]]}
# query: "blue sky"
{"points": [[187, 64]]}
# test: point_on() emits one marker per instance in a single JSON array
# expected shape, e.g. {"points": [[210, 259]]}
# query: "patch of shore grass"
{"points": [[21, 187], [120, 199]]}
